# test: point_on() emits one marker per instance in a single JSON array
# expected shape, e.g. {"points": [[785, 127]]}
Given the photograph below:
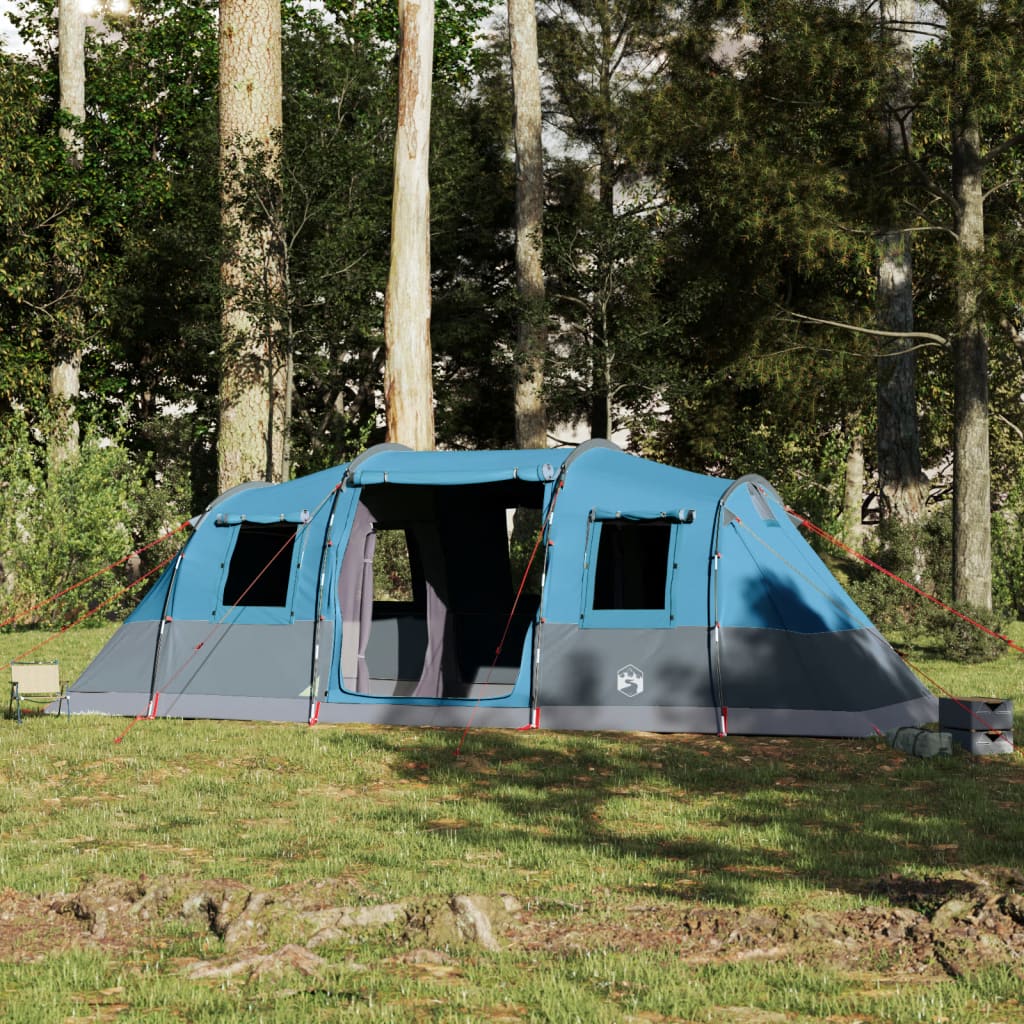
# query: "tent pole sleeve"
{"points": [[714, 618], [538, 629], [165, 620], [314, 661]]}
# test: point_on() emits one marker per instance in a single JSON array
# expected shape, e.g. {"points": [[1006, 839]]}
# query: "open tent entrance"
{"points": [[427, 588]]}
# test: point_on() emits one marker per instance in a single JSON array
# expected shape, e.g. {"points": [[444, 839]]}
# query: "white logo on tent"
{"points": [[630, 681]]}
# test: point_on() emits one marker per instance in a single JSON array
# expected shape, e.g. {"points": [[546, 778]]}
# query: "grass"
{"points": [[583, 828]]}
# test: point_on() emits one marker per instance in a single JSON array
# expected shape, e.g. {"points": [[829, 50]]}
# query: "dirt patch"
{"points": [[949, 927]]}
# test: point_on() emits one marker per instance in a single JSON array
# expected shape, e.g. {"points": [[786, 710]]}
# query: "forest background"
{"points": [[779, 237]]}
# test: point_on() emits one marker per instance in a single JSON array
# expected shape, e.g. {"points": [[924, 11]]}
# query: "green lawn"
{"points": [[599, 836]]}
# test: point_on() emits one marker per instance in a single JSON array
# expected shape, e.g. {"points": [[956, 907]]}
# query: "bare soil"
{"points": [[911, 928]]}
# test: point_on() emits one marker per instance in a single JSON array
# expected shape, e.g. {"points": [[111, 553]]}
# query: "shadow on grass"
{"points": [[738, 821]]}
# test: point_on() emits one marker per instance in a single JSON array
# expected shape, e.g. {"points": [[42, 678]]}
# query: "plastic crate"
{"points": [[983, 744], [976, 714]]}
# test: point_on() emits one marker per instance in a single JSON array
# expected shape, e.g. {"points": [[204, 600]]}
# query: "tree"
{"points": [[902, 487], [969, 103], [408, 381], [153, 163], [767, 137], [132, 221], [255, 367], [531, 332], [605, 65], [30, 157], [65, 376]]}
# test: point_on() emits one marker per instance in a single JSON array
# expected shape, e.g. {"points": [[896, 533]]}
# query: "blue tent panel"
{"points": [[666, 601]]}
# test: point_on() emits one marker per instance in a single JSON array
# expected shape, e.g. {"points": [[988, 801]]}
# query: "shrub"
{"points": [[61, 524], [964, 642], [1008, 556], [922, 554]]}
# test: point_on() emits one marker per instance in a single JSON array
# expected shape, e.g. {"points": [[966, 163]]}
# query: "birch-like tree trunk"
{"points": [[972, 502], [65, 374], [531, 330], [254, 369], [901, 483], [853, 483], [601, 360], [408, 372]]}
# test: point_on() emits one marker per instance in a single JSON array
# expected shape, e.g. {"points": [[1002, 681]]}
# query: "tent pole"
{"points": [[539, 625], [714, 624], [165, 620], [314, 672]]}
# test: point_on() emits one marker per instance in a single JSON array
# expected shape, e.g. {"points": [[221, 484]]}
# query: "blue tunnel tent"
{"points": [[668, 601]]}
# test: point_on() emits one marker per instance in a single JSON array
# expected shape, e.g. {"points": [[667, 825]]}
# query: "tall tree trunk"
{"points": [[65, 374], [254, 370], [853, 489], [601, 374], [408, 373], [972, 517], [531, 331], [901, 482], [601, 360], [71, 72]]}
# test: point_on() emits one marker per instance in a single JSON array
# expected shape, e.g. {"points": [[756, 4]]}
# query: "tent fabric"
{"points": [[667, 601]]}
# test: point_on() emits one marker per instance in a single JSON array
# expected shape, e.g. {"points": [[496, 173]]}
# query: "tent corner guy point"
{"points": [[659, 600]]}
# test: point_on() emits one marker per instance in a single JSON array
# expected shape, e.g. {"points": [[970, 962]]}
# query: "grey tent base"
{"points": [[741, 721], [292, 709]]}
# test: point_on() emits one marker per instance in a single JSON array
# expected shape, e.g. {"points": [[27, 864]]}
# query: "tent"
{"points": [[667, 601]]}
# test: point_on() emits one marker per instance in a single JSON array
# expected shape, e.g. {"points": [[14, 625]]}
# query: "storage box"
{"points": [[984, 743], [976, 714]]}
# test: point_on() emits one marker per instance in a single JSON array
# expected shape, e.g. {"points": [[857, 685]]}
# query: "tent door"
{"points": [[426, 592]]}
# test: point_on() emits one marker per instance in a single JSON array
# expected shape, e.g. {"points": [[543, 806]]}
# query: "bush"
{"points": [[1008, 557], [922, 554], [964, 642], [60, 525]]}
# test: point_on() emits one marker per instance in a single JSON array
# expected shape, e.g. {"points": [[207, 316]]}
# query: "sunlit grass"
{"points": [[744, 820], [576, 825]]}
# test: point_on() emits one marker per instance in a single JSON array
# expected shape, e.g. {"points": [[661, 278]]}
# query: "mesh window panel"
{"points": [[261, 565], [632, 565]]}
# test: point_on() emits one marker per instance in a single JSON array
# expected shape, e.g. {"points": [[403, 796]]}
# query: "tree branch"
{"points": [[997, 151], [937, 340], [1013, 426], [919, 172], [996, 188]]}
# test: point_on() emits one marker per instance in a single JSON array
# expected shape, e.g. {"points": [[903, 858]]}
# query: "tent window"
{"points": [[261, 565], [392, 566], [632, 566]]}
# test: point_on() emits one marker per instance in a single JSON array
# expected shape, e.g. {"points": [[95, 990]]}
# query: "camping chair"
{"points": [[38, 682]]}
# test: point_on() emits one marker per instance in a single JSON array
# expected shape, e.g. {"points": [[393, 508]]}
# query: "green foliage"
{"points": [[392, 572], [125, 246], [46, 260], [1008, 552], [60, 525], [921, 554], [774, 219], [340, 109], [963, 641], [605, 248], [372, 27]]}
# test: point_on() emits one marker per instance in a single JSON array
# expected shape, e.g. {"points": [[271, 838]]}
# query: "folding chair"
{"points": [[38, 682]]}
